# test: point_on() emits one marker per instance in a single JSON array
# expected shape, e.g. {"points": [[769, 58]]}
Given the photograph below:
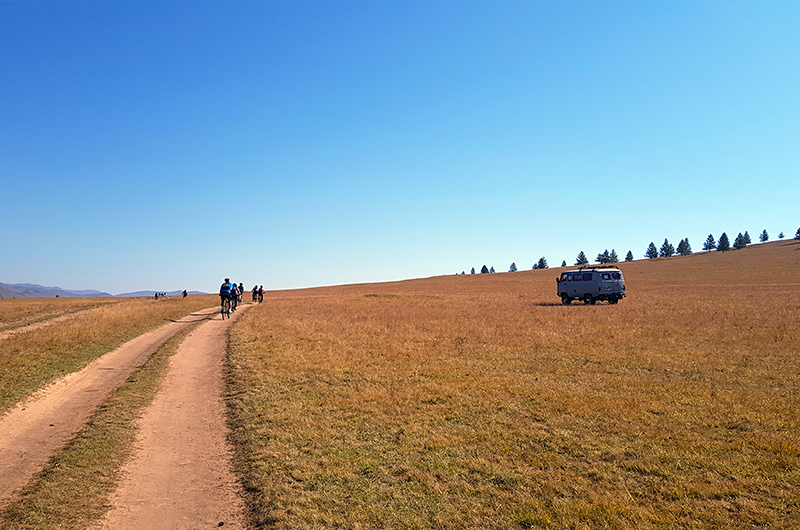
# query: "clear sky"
{"points": [[166, 145]]}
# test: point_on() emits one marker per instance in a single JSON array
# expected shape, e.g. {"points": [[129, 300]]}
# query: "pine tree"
{"points": [[764, 237], [581, 260], [603, 257], [667, 249], [629, 256], [746, 238], [781, 235], [542, 264], [484, 270], [684, 248], [740, 242], [513, 267], [724, 243], [710, 244], [491, 269], [797, 234], [613, 258], [563, 263], [472, 271], [652, 251]]}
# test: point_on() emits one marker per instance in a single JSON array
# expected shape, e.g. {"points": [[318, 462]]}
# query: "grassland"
{"points": [[73, 490], [481, 402], [19, 312], [30, 360]]}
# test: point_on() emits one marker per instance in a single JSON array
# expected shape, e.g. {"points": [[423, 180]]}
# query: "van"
{"points": [[591, 285]]}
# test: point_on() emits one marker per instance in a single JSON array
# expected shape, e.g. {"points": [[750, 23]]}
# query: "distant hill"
{"points": [[32, 290], [5, 292]]}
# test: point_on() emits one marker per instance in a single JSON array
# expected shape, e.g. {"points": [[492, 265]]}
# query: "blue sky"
{"points": [[166, 145]]}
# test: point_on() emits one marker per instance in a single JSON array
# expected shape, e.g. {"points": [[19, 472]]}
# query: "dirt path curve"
{"points": [[35, 428], [180, 475]]}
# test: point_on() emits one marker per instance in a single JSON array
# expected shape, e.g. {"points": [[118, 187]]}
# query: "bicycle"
{"points": [[226, 308]]}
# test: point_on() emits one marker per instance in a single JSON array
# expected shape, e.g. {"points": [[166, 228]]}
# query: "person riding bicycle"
{"points": [[234, 297], [255, 293], [241, 291], [224, 291]]}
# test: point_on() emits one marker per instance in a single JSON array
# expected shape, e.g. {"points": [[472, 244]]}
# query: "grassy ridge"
{"points": [[479, 401], [30, 360]]}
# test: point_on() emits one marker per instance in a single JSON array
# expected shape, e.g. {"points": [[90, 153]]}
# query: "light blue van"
{"points": [[591, 284]]}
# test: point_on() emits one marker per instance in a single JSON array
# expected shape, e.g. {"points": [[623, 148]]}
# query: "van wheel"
{"points": [[587, 299], [566, 300]]}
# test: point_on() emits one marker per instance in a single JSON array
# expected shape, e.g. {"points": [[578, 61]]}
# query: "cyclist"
{"points": [[234, 297], [255, 293], [260, 294], [224, 291], [241, 291]]}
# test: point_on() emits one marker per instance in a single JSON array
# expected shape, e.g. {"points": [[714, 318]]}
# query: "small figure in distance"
{"points": [[185, 293], [241, 291], [255, 293], [260, 294]]}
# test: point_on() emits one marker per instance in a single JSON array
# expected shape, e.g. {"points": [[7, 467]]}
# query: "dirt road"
{"points": [[180, 476]]}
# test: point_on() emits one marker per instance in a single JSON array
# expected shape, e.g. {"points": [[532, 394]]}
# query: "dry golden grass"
{"points": [[16, 312], [481, 402], [30, 360]]}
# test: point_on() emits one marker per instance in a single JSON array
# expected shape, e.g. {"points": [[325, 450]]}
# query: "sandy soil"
{"points": [[180, 475], [37, 427]]}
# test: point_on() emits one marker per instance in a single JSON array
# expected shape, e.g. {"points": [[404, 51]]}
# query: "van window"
{"points": [[606, 276], [587, 276], [616, 275]]}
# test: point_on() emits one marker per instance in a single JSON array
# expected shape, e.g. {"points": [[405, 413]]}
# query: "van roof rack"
{"points": [[599, 266]]}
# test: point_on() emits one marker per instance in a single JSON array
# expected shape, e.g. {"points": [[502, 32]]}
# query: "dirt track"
{"points": [[179, 477]]}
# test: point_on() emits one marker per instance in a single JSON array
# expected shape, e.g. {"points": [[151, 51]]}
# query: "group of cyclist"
{"points": [[258, 294], [230, 291]]}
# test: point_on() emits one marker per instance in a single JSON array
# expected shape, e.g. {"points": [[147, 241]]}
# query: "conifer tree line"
{"points": [[667, 250]]}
